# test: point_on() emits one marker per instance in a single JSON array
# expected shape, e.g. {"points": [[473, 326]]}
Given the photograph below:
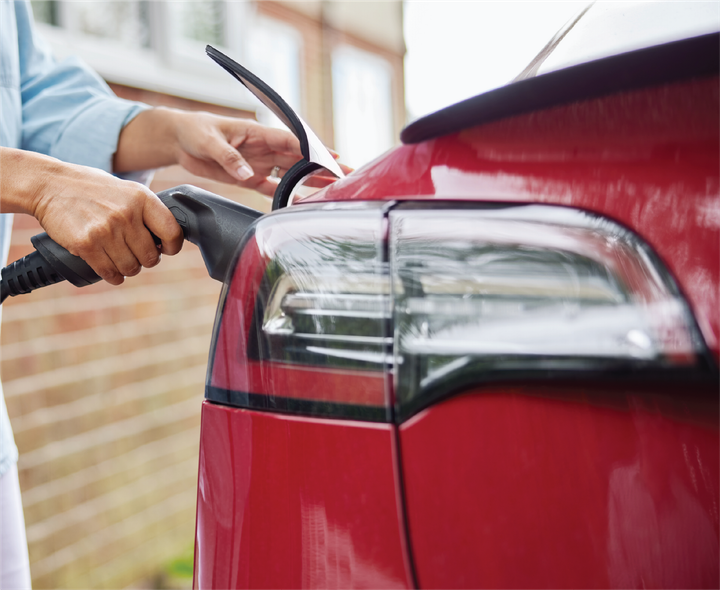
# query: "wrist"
{"points": [[24, 180], [163, 127], [149, 141]]}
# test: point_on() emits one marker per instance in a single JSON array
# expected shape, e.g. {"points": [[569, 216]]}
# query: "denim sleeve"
{"points": [[68, 111]]}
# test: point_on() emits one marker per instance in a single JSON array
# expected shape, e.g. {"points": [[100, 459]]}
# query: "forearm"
{"points": [[149, 141]]}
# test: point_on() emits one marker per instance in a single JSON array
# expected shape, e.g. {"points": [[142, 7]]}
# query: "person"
{"points": [[71, 154]]}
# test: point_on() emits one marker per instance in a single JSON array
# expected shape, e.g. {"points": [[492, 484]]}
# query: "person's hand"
{"points": [[234, 151], [237, 151], [230, 150], [94, 215]]}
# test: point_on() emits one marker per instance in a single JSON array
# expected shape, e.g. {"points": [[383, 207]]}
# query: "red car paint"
{"points": [[530, 484], [286, 502], [563, 486]]}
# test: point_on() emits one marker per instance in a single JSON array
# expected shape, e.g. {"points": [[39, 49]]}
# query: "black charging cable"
{"points": [[25, 275], [49, 264]]}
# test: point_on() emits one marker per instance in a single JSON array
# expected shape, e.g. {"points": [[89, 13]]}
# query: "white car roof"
{"points": [[606, 28], [619, 47]]}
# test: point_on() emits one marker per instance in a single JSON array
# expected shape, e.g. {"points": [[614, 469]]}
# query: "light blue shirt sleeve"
{"points": [[68, 111]]}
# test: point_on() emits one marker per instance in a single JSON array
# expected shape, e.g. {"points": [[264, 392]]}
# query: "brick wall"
{"points": [[104, 386]]}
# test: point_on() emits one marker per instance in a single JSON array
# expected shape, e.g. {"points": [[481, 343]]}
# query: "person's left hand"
{"points": [[235, 151]]}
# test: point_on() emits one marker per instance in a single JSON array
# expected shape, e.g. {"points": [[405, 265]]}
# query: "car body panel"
{"points": [[648, 158], [287, 502], [565, 486]]}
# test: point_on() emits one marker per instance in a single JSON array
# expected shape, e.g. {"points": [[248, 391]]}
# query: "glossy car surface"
{"points": [[320, 464]]}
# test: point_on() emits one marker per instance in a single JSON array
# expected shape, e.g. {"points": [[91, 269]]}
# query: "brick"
{"points": [[60, 385], [61, 350], [96, 410], [74, 453], [142, 560], [100, 547], [45, 500], [116, 505]]}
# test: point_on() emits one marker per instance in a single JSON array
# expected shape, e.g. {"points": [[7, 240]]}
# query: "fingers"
{"points": [[114, 251], [212, 170], [160, 221], [105, 268], [283, 161], [241, 148], [230, 160], [281, 141]]}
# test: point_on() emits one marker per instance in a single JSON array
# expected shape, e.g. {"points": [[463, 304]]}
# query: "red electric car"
{"points": [[490, 357]]}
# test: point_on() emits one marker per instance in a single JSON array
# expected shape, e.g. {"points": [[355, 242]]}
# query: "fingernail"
{"points": [[244, 172]]}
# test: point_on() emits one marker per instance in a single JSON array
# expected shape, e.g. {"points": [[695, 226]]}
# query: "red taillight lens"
{"points": [[305, 326], [327, 313]]}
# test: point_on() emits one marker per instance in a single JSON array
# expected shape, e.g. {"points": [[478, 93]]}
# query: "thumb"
{"points": [[230, 159]]}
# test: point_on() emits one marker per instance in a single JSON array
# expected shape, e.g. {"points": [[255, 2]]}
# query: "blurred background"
{"points": [[103, 384]]}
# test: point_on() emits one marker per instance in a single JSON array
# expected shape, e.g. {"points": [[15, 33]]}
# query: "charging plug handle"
{"points": [[211, 222]]}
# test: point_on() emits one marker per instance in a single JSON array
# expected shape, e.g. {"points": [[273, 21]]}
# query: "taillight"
{"points": [[334, 317], [526, 292], [305, 326], [328, 313]]}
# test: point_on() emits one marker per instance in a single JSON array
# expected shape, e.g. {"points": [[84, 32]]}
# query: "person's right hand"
{"points": [[92, 214]]}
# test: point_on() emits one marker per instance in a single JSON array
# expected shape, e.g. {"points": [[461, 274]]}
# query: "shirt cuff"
{"points": [[91, 138]]}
